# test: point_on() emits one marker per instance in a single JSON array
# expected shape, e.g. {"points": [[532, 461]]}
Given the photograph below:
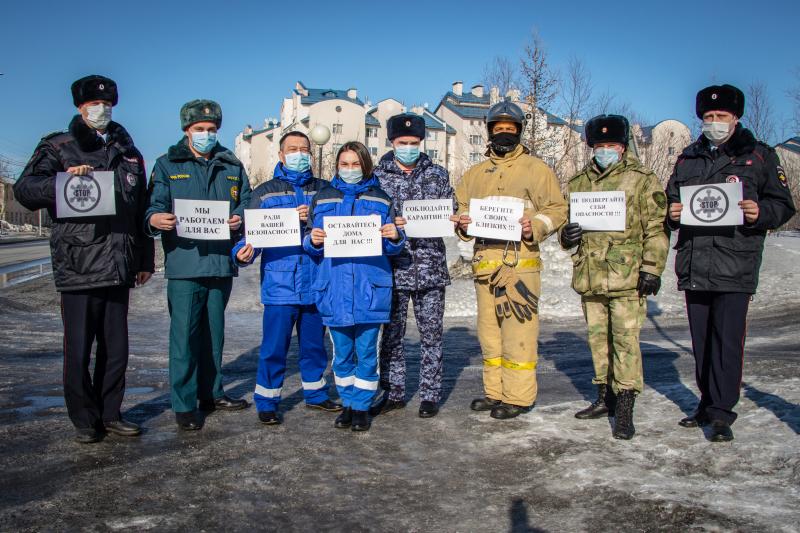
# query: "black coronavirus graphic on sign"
{"points": [[709, 204], [82, 193]]}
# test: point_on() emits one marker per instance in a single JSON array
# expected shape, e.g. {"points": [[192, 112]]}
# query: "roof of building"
{"points": [[369, 118], [478, 107], [432, 122], [272, 126], [318, 95], [792, 145]]}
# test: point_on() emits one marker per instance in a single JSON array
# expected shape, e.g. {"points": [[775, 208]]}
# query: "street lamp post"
{"points": [[319, 135]]}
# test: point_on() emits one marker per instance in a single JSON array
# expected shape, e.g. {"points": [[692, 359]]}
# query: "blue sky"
{"points": [[248, 55]]}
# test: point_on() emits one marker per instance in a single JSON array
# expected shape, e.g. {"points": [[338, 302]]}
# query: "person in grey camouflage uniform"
{"points": [[420, 270]]}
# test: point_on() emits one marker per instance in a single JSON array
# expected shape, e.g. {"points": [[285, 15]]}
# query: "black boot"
{"points": [[385, 405], [721, 431], [696, 419], [360, 421], [483, 404], [599, 407], [345, 419], [623, 426], [504, 411]]}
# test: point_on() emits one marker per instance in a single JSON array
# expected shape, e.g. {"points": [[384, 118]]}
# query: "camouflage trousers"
{"points": [[614, 324], [429, 313]]}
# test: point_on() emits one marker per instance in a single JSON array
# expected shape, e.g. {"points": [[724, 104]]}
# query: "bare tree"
{"points": [[539, 83], [575, 94], [500, 73], [794, 96], [759, 116]]}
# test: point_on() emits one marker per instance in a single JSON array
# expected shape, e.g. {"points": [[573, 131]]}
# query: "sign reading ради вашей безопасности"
{"points": [[598, 211], [272, 228], [205, 220]]}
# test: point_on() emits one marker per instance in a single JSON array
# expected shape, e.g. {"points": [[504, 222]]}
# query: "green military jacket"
{"points": [[608, 262]]}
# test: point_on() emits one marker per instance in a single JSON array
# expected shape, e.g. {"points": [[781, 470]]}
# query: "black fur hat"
{"points": [[94, 87], [720, 98], [200, 111], [607, 129], [405, 124]]}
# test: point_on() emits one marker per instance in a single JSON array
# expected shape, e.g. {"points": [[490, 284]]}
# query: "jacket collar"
{"points": [[180, 152], [290, 176], [352, 189], [89, 141]]}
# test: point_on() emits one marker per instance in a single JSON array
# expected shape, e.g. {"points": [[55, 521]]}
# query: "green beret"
{"points": [[200, 111]]}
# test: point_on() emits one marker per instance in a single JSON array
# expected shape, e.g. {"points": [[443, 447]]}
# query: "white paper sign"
{"points": [[493, 219], [598, 211], [271, 228], [85, 196], [353, 236], [205, 220], [428, 218], [712, 205]]}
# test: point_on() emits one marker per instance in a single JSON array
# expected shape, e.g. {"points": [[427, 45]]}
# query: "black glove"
{"points": [[571, 235], [648, 284], [502, 306]]}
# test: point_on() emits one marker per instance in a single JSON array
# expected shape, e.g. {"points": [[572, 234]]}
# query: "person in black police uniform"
{"points": [[96, 260], [718, 266]]}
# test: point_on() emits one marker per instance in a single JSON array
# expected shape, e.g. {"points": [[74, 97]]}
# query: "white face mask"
{"points": [[716, 132], [98, 116]]}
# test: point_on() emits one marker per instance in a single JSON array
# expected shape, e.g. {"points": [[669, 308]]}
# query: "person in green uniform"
{"points": [[199, 272], [614, 271]]}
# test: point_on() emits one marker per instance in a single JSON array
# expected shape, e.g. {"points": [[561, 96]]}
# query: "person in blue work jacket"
{"points": [[199, 272], [354, 294], [286, 276]]}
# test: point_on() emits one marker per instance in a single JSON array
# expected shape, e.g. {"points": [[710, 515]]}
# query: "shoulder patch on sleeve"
{"points": [[660, 198], [782, 177]]}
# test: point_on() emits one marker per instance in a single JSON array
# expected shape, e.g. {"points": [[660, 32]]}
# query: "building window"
{"points": [[474, 157], [433, 154], [475, 140], [430, 135], [372, 133], [373, 151], [671, 150], [551, 161], [337, 128], [336, 149]]}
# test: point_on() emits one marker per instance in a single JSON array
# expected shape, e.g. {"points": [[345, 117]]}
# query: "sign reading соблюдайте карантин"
{"points": [[352, 236], [428, 218], [272, 228], [205, 220], [495, 219], [598, 211]]}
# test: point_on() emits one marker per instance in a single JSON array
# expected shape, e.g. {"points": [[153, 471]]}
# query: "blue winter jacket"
{"points": [[353, 290], [286, 272]]}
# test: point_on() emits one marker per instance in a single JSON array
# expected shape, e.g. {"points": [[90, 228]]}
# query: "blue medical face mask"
{"points": [[605, 157], [351, 175], [406, 153], [298, 161], [204, 141]]}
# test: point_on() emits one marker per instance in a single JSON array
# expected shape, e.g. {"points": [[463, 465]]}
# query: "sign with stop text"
{"points": [[205, 220], [85, 196], [598, 211], [352, 236], [428, 218], [272, 228], [493, 219], [712, 205]]}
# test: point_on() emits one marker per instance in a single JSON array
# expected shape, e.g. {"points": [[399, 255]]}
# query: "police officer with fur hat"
{"points": [[507, 273], [615, 271], [717, 266], [199, 272], [419, 270], [96, 259]]}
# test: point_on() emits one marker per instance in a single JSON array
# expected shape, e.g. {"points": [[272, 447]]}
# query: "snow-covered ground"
{"points": [[777, 286]]}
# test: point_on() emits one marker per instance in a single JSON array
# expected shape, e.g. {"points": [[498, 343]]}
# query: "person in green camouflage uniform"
{"points": [[614, 271]]}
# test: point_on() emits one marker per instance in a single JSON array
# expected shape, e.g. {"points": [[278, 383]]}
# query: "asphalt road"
{"points": [[21, 252]]}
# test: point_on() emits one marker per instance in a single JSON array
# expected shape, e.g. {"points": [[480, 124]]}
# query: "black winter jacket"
{"points": [[92, 252], [728, 258]]}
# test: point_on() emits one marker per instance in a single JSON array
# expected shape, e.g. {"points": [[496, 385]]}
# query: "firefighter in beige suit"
{"points": [[507, 280]]}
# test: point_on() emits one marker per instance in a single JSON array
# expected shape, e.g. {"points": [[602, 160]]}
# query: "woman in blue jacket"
{"points": [[354, 294]]}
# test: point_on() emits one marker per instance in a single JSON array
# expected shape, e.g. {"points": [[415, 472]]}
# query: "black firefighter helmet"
{"points": [[503, 143]]}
